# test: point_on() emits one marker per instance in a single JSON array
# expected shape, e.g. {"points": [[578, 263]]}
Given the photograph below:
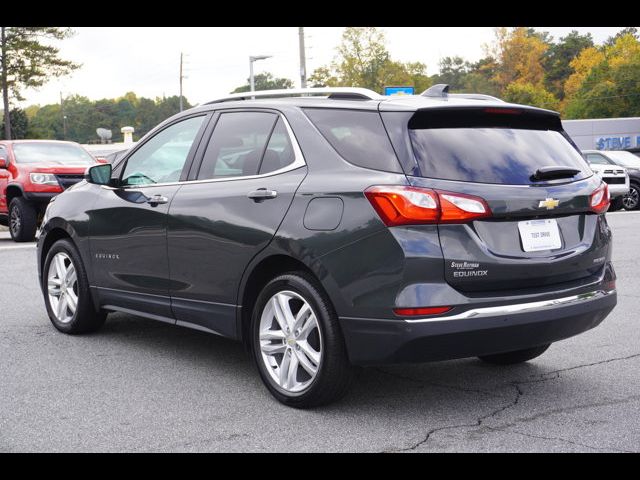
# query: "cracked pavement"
{"points": [[139, 385]]}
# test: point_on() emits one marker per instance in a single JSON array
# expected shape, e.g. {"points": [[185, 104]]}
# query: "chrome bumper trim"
{"points": [[519, 307]]}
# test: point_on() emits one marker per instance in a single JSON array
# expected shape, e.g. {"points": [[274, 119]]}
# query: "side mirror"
{"points": [[4, 162], [99, 174]]}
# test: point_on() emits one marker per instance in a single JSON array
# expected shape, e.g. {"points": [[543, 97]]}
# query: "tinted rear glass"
{"points": [[357, 135], [504, 150]]}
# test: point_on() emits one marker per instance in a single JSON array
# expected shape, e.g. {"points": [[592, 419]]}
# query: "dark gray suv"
{"points": [[341, 230]]}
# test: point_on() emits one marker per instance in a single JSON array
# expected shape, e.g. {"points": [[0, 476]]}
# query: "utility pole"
{"points": [[5, 87], [181, 77], [303, 60], [64, 118]]}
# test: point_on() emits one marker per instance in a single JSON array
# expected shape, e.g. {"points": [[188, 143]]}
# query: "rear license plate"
{"points": [[539, 235]]}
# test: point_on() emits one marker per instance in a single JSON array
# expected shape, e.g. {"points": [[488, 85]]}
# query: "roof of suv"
{"points": [[371, 102]]}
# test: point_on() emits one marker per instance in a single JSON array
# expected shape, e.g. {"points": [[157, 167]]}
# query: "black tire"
{"points": [[519, 356], [85, 318], [23, 220], [631, 200], [335, 373], [616, 204]]}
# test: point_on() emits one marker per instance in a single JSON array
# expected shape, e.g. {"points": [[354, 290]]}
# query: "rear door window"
{"points": [[502, 150], [237, 144], [357, 135]]}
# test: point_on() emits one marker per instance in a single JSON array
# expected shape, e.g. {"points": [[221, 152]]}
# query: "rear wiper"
{"points": [[550, 173]]}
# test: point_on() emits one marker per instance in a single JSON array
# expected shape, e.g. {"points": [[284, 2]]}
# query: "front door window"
{"points": [[162, 158]]}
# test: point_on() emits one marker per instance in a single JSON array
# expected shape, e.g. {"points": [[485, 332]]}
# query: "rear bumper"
{"points": [[478, 331]]}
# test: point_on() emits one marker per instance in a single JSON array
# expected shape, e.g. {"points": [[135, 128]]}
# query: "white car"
{"points": [[614, 175]]}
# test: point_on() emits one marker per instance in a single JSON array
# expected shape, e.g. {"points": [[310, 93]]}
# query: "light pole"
{"points": [[252, 59]]}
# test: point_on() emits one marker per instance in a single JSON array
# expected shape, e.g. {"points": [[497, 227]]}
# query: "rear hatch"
{"points": [[542, 229]]}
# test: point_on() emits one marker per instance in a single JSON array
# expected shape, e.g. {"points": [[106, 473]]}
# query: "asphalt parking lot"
{"points": [[140, 385]]}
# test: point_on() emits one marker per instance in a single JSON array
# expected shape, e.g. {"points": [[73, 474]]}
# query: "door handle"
{"points": [[262, 194], [157, 200]]}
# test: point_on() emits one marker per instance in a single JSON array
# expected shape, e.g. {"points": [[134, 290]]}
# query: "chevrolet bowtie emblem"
{"points": [[549, 203]]}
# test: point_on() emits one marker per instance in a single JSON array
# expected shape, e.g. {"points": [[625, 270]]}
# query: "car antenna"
{"points": [[440, 90]]}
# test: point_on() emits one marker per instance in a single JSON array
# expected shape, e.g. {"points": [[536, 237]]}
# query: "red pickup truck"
{"points": [[31, 173]]}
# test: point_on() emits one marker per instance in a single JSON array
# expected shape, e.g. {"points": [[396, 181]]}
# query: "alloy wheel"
{"points": [[62, 287], [630, 200], [290, 341], [14, 221]]}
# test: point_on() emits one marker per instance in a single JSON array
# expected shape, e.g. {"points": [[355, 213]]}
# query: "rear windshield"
{"points": [[490, 151], [52, 153]]}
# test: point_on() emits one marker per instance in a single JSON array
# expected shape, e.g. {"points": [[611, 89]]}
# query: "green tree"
{"points": [[557, 60], [607, 81], [529, 94], [19, 124], [480, 78], [27, 60], [362, 60], [46, 123], [265, 81], [362, 57], [453, 72], [633, 31], [84, 116], [519, 53], [322, 77], [147, 116]]}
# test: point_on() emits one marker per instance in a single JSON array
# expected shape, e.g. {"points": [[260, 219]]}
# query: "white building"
{"points": [[605, 133]]}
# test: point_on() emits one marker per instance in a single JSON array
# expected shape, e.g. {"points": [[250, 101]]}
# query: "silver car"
{"points": [[614, 175]]}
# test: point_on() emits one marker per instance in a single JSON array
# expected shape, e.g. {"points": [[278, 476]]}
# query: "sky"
{"points": [[145, 60]]}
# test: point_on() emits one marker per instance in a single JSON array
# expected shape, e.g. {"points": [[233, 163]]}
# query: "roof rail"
{"points": [[352, 93]]}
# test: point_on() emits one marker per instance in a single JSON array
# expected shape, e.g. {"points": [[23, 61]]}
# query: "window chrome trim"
{"points": [[298, 162], [519, 307]]}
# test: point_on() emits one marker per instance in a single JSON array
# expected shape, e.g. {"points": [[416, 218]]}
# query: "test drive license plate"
{"points": [[539, 235]]}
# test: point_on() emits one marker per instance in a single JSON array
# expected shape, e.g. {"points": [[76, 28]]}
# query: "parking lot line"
{"points": [[18, 247]]}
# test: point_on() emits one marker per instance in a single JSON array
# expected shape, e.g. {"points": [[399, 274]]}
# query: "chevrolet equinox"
{"points": [[327, 232]]}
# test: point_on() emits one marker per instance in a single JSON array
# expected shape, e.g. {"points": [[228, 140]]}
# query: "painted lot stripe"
{"points": [[18, 247]]}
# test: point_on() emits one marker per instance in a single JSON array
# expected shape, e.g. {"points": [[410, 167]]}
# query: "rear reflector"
{"points": [[404, 205], [599, 199], [411, 312]]}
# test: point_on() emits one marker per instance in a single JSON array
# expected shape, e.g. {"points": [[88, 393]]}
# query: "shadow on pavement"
{"points": [[374, 386]]}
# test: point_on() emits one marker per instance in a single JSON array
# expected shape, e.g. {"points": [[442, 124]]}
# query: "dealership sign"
{"points": [[399, 91], [618, 143]]}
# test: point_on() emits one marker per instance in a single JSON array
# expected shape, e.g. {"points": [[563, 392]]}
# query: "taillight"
{"points": [[599, 199], [403, 205], [458, 207]]}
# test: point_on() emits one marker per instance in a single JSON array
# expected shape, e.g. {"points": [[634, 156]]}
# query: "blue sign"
{"points": [[399, 90], [617, 143]]}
